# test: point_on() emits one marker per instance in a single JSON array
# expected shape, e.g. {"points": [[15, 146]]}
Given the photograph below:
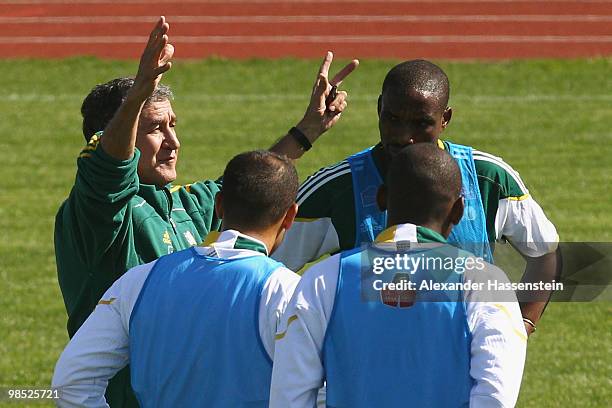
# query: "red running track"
{"points": [[459, 29]]}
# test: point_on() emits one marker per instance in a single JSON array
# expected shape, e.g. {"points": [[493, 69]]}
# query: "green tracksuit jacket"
{"points": [[111, 223]]}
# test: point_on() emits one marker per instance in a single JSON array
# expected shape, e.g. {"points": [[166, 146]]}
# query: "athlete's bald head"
{"points": [[420, 76], [423, 186]]}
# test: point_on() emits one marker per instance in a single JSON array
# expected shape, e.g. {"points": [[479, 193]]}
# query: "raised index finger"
{"points": [[344, 72], [324, 70]]}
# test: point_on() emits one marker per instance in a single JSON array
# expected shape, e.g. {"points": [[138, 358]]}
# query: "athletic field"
{"points": [[549, 119]]}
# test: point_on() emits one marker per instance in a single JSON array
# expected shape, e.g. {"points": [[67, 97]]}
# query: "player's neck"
{"points": [[435, 226], [265, 236]]}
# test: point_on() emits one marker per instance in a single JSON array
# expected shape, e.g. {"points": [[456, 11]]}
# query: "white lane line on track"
{"points": [[33, 97], [308, 19], [375, 39]]}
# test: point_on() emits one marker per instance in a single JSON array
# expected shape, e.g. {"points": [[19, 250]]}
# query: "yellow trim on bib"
{"points": [[211, 238], [387, 235], [521, 198], [282, 334]]}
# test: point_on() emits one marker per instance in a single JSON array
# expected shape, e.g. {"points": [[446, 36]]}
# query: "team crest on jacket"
{"points": [[401, 296], [168, 242]]}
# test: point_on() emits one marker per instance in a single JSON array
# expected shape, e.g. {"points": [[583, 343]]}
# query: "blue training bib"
{"points": [[470, 234], [194, 333], [376, 355]]}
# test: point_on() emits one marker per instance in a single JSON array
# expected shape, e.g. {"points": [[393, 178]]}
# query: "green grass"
{"points": [[549, 119]]}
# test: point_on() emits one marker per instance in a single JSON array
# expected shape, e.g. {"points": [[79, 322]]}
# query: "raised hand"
{"points": [[120, 134], [154, 61], [321, 115]]}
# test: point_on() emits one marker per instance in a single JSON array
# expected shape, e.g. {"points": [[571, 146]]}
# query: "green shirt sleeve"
{"points": [[199, 202], [93, 230], [325, 220], [100, 199], [334, 199], [497, 181]]}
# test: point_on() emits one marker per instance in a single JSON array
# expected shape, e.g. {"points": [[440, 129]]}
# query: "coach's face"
{"points": [[408, 118], [158, 144]]}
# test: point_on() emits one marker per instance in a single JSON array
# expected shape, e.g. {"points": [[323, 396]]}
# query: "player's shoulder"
{"points": [[323, 275], [284, 276], [326, 182], [494, 169], [280, 284], [198, 187], [126, 289], [136, 275]]}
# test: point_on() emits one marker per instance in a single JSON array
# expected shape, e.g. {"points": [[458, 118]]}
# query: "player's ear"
{"points": [[446, 117], [381, 197], [379, 107], [290, 216], [457, 211], [285, 224], [219, 205]]}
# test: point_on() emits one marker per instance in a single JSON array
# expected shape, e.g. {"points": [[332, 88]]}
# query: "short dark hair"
{"points": [[419, 75], [100, 105], [422, 181], [258, 189]]}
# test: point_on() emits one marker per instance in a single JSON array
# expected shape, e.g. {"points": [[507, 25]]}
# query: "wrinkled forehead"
{"points": [[412, 101], [157, 109]]}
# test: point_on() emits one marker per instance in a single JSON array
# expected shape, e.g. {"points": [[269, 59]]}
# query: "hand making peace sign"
{"points": [[321, 115]]}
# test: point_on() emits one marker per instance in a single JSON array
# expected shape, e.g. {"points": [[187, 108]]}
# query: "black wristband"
{"points": [[300, 138]]}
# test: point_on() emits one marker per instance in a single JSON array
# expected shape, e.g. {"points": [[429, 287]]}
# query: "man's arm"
{"points": [[120, 134], [545, 268], [498, 353], [320, 116], [93, 226], [100, 348], [275, 297], [520, 219], [298, 371], [499, 341], [526, 227]]}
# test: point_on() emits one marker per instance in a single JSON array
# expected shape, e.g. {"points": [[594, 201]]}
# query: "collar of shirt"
{"points": [[408, 233], [229, 241]]}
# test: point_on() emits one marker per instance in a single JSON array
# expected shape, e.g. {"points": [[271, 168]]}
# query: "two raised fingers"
{"points": [[343, 73], [335, 101]]}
